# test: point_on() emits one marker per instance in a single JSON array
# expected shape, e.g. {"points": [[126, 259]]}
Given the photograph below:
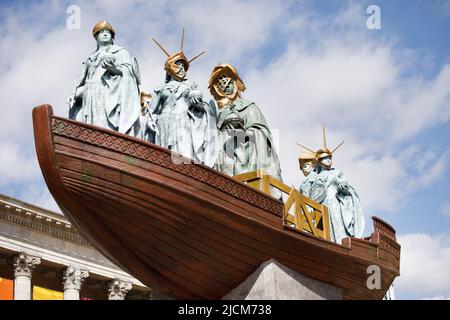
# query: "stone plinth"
{"points": [[274, 281]]}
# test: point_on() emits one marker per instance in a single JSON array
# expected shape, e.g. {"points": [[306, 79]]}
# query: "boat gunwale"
{"points": [[159, 149], [295, 234]]}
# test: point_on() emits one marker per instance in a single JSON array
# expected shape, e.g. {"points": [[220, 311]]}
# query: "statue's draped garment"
{"points": [[344, 207], [246, 147], [109, 101], [181, 126]]}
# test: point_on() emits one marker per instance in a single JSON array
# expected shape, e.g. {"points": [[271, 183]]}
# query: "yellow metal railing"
{"points": [[300, 212]]}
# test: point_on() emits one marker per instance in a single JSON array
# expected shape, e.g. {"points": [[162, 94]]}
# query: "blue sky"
{"points": [[385, 92]]}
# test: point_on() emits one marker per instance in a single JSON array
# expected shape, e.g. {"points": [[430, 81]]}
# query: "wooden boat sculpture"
{"points": [[186, 230]]}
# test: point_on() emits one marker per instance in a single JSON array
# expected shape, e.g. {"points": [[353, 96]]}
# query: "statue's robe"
{"points": [[109, 101], [246, 142], [182, 127], [344, 206]]}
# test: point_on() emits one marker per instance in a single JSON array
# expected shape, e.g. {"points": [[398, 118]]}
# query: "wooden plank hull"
{"points": [[184, 229]]}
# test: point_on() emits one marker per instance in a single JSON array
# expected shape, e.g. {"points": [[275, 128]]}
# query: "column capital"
{"points": [[73, 278], [24, 264], [117, 289]]}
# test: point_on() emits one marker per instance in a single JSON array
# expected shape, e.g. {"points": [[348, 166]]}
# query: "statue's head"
{"points": [[177, 64], [324, 158], [103, 32], [225, 84], [307, 162]]}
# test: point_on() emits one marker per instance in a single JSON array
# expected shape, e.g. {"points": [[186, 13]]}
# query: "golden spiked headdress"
{"points": [[323, 152], [170, 65], [221, 76], [103, 25]]}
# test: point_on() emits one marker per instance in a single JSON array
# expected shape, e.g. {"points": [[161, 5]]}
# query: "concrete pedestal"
{"points": [[274, 281]]}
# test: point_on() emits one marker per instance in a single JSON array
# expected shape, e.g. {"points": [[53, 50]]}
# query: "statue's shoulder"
{"points": [[164, 86], [115, 48], [336, 172], [323, 174], [186, 83], [242, 104]]}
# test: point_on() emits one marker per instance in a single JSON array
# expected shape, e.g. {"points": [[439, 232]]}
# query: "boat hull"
{"points": [[184, 229]]}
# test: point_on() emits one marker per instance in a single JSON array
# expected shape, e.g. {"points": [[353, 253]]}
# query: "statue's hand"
{"points": [[195, 99], [71, 101], [109, 65], [343, 188]]}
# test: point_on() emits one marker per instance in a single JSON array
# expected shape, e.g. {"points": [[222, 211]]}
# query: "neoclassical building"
{"points": [[42, 256]]}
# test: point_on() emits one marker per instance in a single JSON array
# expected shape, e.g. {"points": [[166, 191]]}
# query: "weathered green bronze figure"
{"points": [[107, 92], [245, 138]]}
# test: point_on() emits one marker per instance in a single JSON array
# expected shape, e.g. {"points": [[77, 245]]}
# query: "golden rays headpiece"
{"points": [[170, 65], [323, 152]]}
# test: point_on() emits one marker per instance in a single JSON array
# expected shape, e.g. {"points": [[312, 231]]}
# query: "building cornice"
{"points": [[53, 225], [40, 220]]}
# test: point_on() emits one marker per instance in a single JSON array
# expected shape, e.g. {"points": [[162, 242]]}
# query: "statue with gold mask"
{"points": [[307, 162], [184, 122], [330, 187], [245, 138], [107, 92]]}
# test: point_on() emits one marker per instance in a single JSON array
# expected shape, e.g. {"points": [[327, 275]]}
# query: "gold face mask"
{"points": [[173, 67], [304, 159], [225, 84], [324, 157]]}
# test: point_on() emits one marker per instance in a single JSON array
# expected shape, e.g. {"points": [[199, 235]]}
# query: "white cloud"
{"points": [[358, 88], [435, 171], [446, 7], [16, 165], [425, 265], [326, 70], [230, 28], [445, 209]]}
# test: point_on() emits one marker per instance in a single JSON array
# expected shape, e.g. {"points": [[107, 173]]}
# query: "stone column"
{"points": [[117, 289], [23, 268], [72, 280]]}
